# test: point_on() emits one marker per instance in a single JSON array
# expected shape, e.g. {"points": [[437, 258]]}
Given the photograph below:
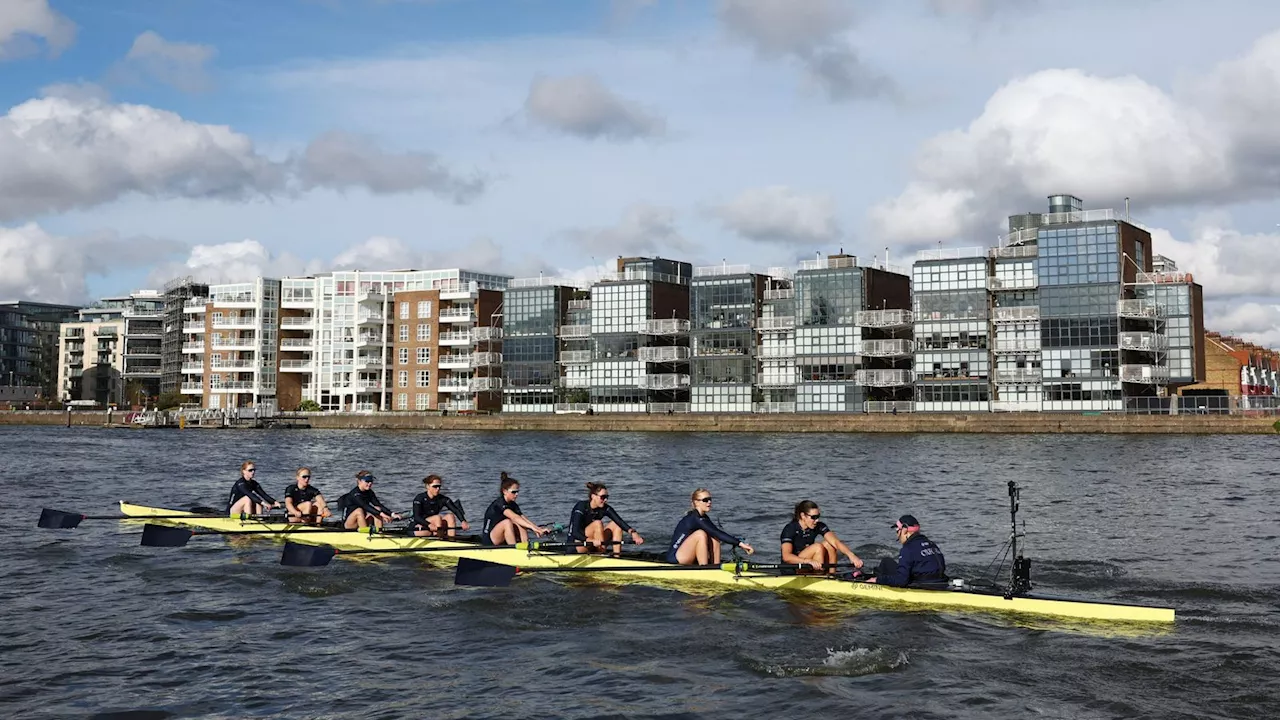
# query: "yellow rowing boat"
{"points": [[737, 576]]}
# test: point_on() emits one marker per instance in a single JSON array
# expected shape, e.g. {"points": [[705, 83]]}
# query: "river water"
{"points": [[96, 626]]}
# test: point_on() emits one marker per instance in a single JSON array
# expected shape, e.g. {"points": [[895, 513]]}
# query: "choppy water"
{"points": [[96, 626]]}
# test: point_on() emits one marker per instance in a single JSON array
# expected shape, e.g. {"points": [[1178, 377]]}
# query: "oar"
{"points": [[167, 536], [483, 573], [59, 519], [299, 555]]}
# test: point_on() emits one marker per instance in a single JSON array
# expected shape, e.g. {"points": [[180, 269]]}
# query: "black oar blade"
{"points": [[481, 573], [165, 536], [299, 555], [58, 520]]}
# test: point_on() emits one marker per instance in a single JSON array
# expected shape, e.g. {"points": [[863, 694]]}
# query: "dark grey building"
{"points": [[533, 311], [176, 294], [725, 301], [29, 343]]}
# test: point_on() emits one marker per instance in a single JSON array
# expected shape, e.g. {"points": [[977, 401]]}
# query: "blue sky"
{"points": [[145, 139]]}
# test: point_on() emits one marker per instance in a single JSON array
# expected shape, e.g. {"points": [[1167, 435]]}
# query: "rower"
{"points": [[920, 562], [587, 521], [360, 506], [247, 496], [303, 501], [504, 523], [808, 540], [696, 538], [433, 511]]}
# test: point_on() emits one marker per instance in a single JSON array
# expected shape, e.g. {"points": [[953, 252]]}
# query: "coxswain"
{"points": [[696, 539], [303, 501], [247, 496], [806, 540], [587, 528], [504, 523], [360, 507], [433, 511], [920, 562]]}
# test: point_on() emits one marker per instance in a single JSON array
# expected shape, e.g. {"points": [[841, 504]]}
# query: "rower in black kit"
{"points": [[434, 513]]}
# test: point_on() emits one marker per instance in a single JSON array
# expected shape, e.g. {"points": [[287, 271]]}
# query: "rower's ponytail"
{"points": [[803, 507], [593, 487], [508, 482]]}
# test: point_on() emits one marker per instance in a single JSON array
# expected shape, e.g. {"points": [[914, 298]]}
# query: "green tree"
{"points": [[169, 400], [308, 406]]}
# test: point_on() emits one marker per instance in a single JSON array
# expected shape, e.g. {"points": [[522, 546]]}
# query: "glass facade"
{"points": [[827, 339], [723, 309], [531, 319], [952, 358]]}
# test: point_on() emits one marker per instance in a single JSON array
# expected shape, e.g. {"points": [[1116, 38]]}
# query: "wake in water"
{"points": [[855, 662]]}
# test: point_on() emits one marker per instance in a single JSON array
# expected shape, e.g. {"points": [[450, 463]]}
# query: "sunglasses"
{"points": [[814, 517], [305, 477], [434, 486], [706, 499], [366, 480], [514, 492], [251, 470], [604, 496]]}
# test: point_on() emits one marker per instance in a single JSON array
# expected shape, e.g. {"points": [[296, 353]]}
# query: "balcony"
{"points": [[368, 340], [575, 331], [371, 297], [195, 305], [454, 361], [485, 359], [663, 381], [1144, 374], [132, 350], [232, 387], [1139, 309], [579, 304], [297, 323], [1143, 341], [575, 357], [776, 323], [669, 326], [1019, 376], [193, 347], [884, 318], [142, 371], [999, 283], [455, 339], [368, 362], [234, 300], [235, 344], [884, 378], [779, 294], [367, 319], [297, 365], [486, 333], [486, 384], [829, 263], [457, 315], [773, 407], [193, 328], [363, 386], [233, 366], [776, 351], [192, 388], [663, 354], [1030, 313], [888, 348], [235, 323], [193, 368], [297, 300], [106, 332], [1018, 251], [454, 385], [457, 289], [298, 344], [1016, 345]]}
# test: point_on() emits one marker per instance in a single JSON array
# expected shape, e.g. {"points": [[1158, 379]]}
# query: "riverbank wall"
{"points": [[779, 423]]}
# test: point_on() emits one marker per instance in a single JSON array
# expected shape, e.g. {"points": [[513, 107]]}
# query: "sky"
{"points": [[142, 140]]}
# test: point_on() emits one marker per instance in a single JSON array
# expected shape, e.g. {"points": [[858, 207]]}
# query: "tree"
{"points": [[169, 400], [308, 406]]}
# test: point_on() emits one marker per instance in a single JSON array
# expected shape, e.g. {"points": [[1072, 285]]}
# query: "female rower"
{"points": [[697, 539], [806, 540], [504, 524], [303, 501], [586, 522], [360, 507], [433, 510], [247, 496]]}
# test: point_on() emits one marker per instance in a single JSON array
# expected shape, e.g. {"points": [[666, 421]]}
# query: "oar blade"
{"points": [[481, 573], [299, 555], [165, 536], [58, 520]]}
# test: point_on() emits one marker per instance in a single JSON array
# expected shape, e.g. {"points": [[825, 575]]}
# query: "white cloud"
{"points": [[154, 59], [23, 21], [1255, 322], [978, 8], [66, 151], [778, 214], [37, 265], [1227, 262], [581, 105], [810, 33], [1102, 138], [643, 230]]}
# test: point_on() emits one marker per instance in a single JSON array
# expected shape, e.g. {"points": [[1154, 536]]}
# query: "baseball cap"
{"points": [[906, 521]]}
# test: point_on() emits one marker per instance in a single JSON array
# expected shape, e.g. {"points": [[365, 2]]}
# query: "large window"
{"points": [[424, 356], [957, 305], [424, 378], [530, 311], [424, 308], [1079, 332], [424, 332], [828, 297], [529, 349], [723, 303], [403, 379], [1073, 256], [1079, 300]]}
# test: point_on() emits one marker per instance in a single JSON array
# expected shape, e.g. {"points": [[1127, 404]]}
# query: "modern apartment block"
{"points": [[725, 301], [640, 337], [29, 343], [1068, 314], [231, 345], [91, 362], [141, 339], [534, 311], [176, 294]]}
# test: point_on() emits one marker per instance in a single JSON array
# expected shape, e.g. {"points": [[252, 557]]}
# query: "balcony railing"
{"points": [[1139, 309], [247, 323], [1017, 251], [242, 343], [193, 347], [575, 357], [485, 359], [486, 333], [779, 294], [884, 318], [1144, 374], [888, 406], [1017, 345], [776, 323], [888, 348], [663, 381], [454, 385], [959, 253], [1143, 341], [660, 408], [297, 322], [457, 315], [579, 304], [193, 328], [454, 361], [365, 361], [232, 366], [244, 386], [663, 354], [297, 365], [572, 407], [669, 326], [370, 318], [460, 337], [363, 386], [720, 270], [829, 263], [366, 339], [192, 387], [1019, 376], [773, 407], [575, 331], [292, 344], [485, 384], [1016, 314], [884, 378]]}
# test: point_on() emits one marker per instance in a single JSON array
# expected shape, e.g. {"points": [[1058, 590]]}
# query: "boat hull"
{"points": [[966, 599]]}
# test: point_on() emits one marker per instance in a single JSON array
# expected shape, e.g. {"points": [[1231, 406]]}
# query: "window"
{"points": [[404, 332], [404, 311], [424, 308], [402, 401], [424, 378], [424, 356], [403, 379], [424, 332], [404, 356], [423, 401]]}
